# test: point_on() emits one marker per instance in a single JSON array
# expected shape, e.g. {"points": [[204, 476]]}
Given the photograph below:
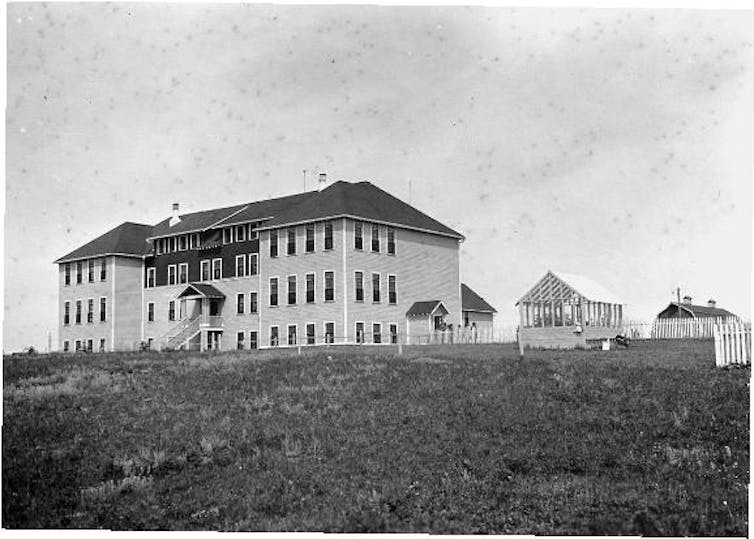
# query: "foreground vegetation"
{"points": [[651, 440]]}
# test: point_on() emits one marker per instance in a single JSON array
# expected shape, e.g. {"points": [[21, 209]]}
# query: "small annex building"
{"points": [[564, 310], [476, 311], [687, 309]]}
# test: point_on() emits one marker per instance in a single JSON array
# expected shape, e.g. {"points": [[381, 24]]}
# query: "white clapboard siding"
{"points": [[688, 328], [732, 344]]}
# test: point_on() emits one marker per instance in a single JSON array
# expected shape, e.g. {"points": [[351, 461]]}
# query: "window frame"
{"points": [[240, 233], [276, 279], [90, 270], [67, 274], [253, 268], [393, 334], [376, 290], [377, 325], [290, 246], [288, 334], [171, 310], [358, 275], [392, 291], [227, 233], [274, 248], [90, 310], [313, 292], [151, 276], [276, 343], [313, 336], [391, 241], [103, 309], [329, 234], [66, 346], [359, 339], [325, 333], [205, 264], [253, 302], [253, 339], [79, 311], [220, 261], [240, 303], [358, 235], [183, 277], [183, 242], [79, 272], [288, 289], [244, 270], [310, 241], [325, 288], [375, 238], [150, 311], [103, 270], [240, 340], [67, 313], [172, 274]]}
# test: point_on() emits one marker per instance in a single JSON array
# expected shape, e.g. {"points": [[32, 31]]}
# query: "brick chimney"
{"points": [[322, 180], [687, 300], [175, 219], [711, 303]]}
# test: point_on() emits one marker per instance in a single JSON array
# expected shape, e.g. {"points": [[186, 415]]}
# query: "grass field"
{"points": [[651, 440]]}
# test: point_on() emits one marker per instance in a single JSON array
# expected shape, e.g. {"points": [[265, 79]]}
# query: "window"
{"points": [[292, 330], [252, 231], [217, 269], [78, 346], [79, 270], [253, 268], [253, 340], [159, 246], [205, 270], [192, 241], [291, 241], [291, 290], [102, 309], [273, 243], [67, 268], [328, 236], [393, 334], [171, 274], [240, 302], [239, 340], [390, 241], [172, 244], [150, 277], [241, 233], [310, 238], [329, 332], [150, 340], [182, 242], [253, 302], [227, 235], [358, 236], [150, 312], [91, 270], [274, 337], [103, 269], [102, 345], [78, 311], [171, 311], [67, 313], [376, 333], [359, 285], [310, 337], [183, 272], [89, 311], [66, 346], [240, 265], [375, 239], [273, 291], [391, 293], [376, 287], [329, 286], [89, 345], [359, 332], [310, 288]]}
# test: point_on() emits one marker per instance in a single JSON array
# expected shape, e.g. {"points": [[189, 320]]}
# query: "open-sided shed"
{"points": [[564, 310]]}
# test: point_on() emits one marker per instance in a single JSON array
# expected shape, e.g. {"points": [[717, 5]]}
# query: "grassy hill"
{"points": [[650, 440]]}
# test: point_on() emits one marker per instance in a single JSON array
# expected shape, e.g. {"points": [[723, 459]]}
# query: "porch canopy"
{"points": [[564, 299], [201, 290], [426, 308]]}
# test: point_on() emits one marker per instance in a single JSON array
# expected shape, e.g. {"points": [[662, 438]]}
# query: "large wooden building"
{"points": [[568, 311]]}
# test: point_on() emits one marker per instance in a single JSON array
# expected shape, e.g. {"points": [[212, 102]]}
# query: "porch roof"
{"points": [[426, 308], [202, 289]]}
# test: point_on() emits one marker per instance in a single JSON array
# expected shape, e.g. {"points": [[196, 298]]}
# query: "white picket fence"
{"points": [[688, 328], [732, 344]]}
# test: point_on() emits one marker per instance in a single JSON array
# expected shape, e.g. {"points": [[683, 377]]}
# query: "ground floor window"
{"points": [[274, 336], [89, 345], [78, 346], [292, 330], [240, 338], [393, 334], [376, 333], [329, 332], [253, 340], [102, 345], [310, 336], [359, 332], [66, 346]]}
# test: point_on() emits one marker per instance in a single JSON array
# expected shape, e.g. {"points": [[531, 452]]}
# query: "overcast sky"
{"points": [[611, 143]]}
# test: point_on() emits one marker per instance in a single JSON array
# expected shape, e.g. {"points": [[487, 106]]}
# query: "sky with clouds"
{"points": [[611, 143]]}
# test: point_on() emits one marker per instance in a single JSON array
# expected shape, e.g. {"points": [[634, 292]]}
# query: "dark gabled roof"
{"points": [[471, 301], [201, 289], [127, 239], [362, 200], [425, 308], [700, 311]]}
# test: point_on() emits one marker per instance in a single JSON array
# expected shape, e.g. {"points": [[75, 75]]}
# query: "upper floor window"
{"points": [[192, 241], [392, 295], [103, 269], [375, 238], [150, 312], [358, 235], [253, 302], [171, 311], [227, 235], [376, 287], [182, 242], [273, 243], [89, 311], [390, 241], [91, 270], [328, 235], [173, 242], [273, 291], [329, 286], [240, 303], [79, 272], [253, 231], [291, 290], [171, 274], [240, 265], [183, 272], [291, 241], [150, 277], [67, 313], [102, 309], [217, 269], [67, 269], [310, 288], [159, 246], [204, 266], [253, 267], [78, 311], [241, 233], [310, 238], [359, 276]]}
